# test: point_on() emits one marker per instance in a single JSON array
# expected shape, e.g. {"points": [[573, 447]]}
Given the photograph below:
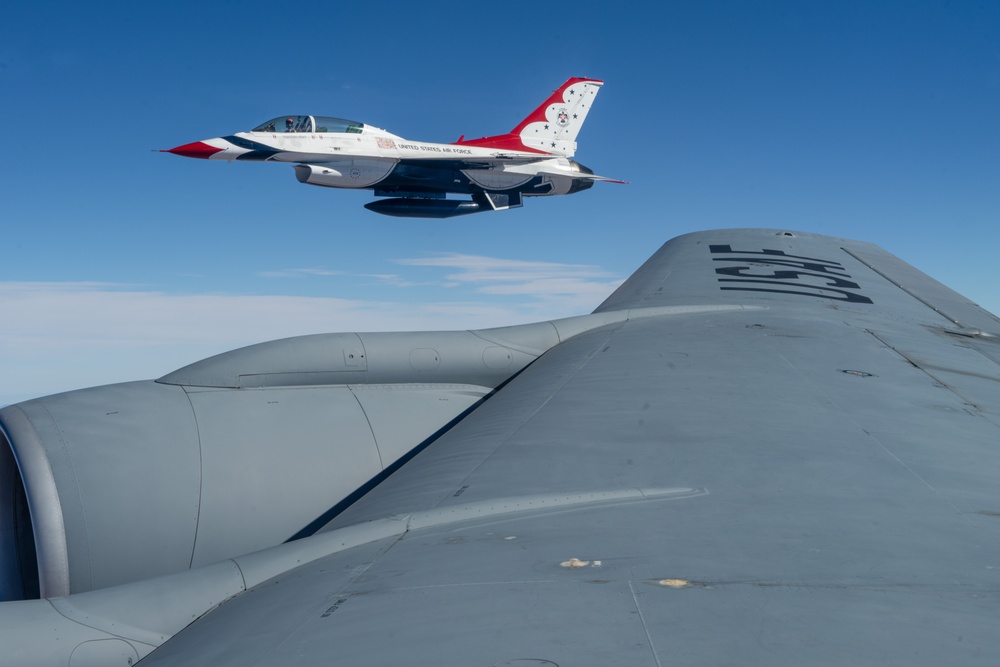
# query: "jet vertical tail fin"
{"points": [[553, 126]]}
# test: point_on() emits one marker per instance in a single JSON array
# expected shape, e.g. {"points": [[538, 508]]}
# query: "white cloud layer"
{"points": [[58, 336], [580, 286], [480, 269]]}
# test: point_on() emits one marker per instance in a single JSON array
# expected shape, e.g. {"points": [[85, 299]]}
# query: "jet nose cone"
{"points": [[197, 149]]}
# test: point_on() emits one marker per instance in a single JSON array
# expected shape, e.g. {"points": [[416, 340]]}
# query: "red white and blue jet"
{"points": [[532, 160]]}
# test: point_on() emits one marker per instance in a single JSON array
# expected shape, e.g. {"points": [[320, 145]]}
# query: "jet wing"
{"points": [[450, 161], [790, 459]]}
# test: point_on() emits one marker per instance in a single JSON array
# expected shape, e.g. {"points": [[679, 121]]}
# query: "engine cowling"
{"points": [[235, 453]]}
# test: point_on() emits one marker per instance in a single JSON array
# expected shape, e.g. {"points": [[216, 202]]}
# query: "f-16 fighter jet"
{"points": [[531, 160]]}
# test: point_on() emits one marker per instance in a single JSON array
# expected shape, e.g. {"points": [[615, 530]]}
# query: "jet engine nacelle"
{"points": [[344, 174], [226, 456]]}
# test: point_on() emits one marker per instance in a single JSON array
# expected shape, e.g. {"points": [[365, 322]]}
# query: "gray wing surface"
{"points": [[813, 478]]}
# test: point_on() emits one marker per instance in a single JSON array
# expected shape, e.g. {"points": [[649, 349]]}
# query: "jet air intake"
{"points": [[18, 563]]}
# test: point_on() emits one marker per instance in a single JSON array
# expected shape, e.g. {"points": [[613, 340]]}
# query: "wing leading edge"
{"points": [[795, 461]]}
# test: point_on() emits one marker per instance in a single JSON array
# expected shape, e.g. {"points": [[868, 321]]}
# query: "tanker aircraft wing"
{"points": [[496, 172], [766, 447]]}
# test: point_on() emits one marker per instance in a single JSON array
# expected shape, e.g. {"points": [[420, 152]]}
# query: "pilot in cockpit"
{"points": [[289, 125]]}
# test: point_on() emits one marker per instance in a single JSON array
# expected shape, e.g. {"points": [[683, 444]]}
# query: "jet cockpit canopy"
{"points": [[309, 124]]}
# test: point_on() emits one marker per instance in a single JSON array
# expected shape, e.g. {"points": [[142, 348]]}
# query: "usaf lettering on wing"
{"points": [[757, 271]]}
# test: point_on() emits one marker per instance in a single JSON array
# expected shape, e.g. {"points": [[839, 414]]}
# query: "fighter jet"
{"points": [[532, 160]]}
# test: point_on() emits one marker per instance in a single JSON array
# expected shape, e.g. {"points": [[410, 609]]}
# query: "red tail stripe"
{"points": [[504, 142]]}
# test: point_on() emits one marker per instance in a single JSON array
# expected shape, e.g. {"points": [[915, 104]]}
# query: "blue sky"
{"points": [[876, 121]]}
